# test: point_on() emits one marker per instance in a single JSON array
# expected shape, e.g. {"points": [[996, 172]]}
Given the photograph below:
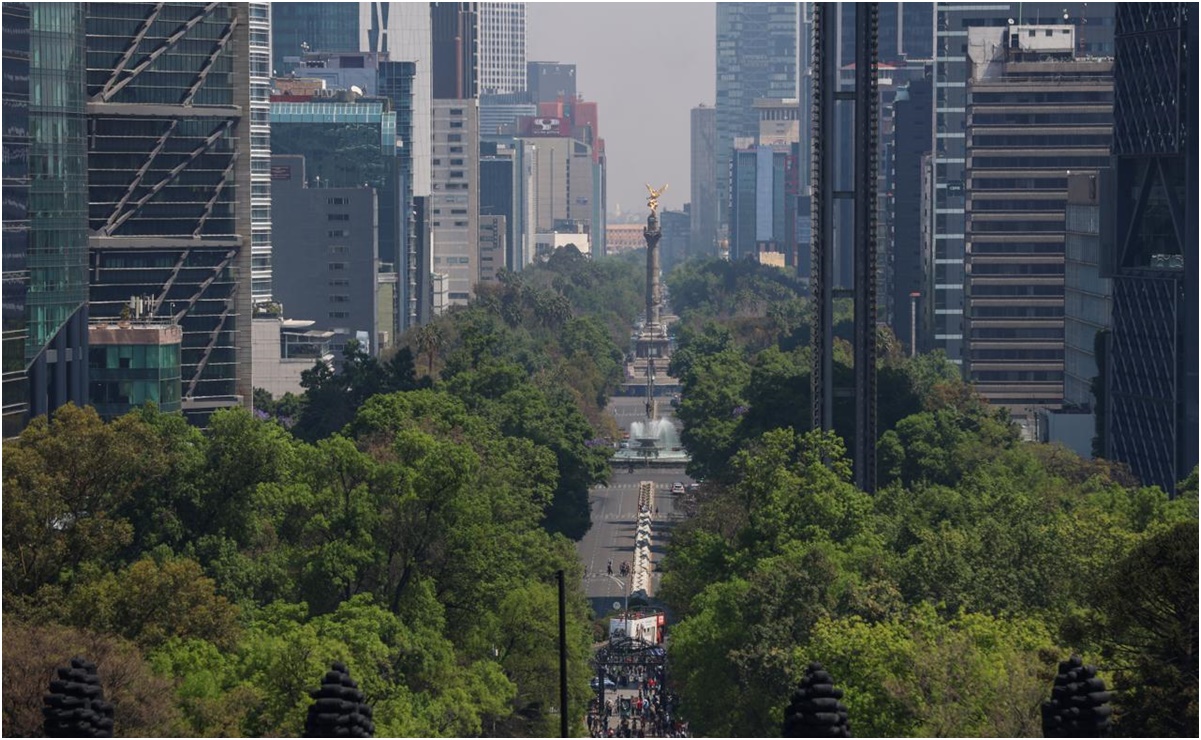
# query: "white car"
{"points": [[677, 488]]}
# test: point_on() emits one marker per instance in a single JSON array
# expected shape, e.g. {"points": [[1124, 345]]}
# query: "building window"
{"points": [[339, 315], [458, 162], [339, 298], [340, 283], [454, 137], [339, 217], [337, 266], [456, 124], [338, 249], [337, 233], [337, 201]]}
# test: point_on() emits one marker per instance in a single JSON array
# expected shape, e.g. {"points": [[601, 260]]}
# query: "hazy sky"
{"points": [[646, 65]]}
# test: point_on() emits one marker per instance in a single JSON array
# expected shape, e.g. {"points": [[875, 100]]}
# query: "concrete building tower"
{"points": [[260, 152], [502, 48], [1094, 36], [1036, 114]]}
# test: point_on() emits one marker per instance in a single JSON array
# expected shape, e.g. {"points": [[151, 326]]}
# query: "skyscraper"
{"points": [[168, 90], [45, 211], [1151, 363], [703, 227], [756, 58], [402, 29], [260, 151], [1036, 113], [502, 65], [549, 81], [1094, 36], [454, 43]]}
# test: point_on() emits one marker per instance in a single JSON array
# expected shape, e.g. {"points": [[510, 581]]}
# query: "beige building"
{"points": [[454, 197], [624, 237]]}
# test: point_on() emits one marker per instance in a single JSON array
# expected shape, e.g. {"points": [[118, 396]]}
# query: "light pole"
{"points": [[626, 613]]}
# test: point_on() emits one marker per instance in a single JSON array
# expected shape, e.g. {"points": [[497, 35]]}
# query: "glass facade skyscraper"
{"points": [[168, 173], [45, 210], [297, 27], [756, 58], [1151, 360]]}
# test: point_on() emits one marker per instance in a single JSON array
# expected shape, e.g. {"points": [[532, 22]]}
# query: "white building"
{"points": [[260, 151], [454, 196], [501, 51]]}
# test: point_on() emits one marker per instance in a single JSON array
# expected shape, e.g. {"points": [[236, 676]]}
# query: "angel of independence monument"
{"points": [[654, 440]]}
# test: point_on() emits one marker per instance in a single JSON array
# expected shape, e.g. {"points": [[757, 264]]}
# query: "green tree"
{"points": [[1148, 605]]}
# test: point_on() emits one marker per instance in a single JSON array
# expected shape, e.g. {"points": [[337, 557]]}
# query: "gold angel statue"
{"points": [[652, 200]]}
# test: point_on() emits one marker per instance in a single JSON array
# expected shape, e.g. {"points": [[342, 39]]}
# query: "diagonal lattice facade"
{"points": [[1151, 377], [168, 176]]}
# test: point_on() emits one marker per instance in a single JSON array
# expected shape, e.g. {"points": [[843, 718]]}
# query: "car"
{"points": [[677, 488], [609, 685]]}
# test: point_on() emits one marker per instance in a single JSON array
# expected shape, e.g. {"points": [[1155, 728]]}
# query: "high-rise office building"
{"points": [[912, 119], [454, 50], [502, 65], [1086, 293], [1151, 362], [169, 136], [260, 151], [45, 211], [756, 58], [323, 26], [398, 28], [763, 203], [331, 272], [1093, 24], [1036, 113], [703, 229], [549, 81], [454, 200], [350, 145]]}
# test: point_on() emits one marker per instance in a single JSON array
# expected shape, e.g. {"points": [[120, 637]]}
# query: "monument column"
{"points": [[652, 235]]}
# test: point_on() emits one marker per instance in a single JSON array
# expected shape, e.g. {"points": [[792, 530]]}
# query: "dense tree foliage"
{"points": [[408, 546], [941, 603], [407, 525]]}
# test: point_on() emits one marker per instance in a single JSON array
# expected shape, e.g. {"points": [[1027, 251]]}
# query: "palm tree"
{"points": [[429, 341]]}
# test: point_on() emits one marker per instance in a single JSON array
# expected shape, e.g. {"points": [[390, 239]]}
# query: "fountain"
{"points": [[653, 442]]}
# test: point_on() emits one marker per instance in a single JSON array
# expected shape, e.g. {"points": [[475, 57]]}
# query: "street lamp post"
{"points": [[626, 614]]}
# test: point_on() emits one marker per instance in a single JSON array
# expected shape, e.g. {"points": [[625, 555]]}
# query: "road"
{"points": [[615, 517]]}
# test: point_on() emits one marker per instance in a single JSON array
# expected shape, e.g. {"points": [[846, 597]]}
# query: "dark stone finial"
{"points": [[338, 709], [75, 706], [815, 709], [1079, 705]]}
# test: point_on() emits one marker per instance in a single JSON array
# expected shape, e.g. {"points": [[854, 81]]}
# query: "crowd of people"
{"points": [[639, 707]]}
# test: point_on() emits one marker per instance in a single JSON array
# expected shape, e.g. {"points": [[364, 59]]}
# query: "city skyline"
{"points": [[632, 110]]}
